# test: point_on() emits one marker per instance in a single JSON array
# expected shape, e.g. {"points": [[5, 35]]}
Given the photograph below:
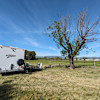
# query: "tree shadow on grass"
{"points": [[11, 73], [35, 70], [80, 66], [6, 89], [22, 72]]}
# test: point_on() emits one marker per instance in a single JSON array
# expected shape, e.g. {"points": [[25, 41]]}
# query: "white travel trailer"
{"points": [[11, 59]]}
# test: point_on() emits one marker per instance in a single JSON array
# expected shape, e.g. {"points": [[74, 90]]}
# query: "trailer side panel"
{"points": [[9, 57]]}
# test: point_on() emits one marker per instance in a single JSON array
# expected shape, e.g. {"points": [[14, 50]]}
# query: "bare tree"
{"points": [[73, 35]]}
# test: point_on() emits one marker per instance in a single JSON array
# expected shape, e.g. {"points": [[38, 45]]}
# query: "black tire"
{"points": [[20, 62], [3, 74]]}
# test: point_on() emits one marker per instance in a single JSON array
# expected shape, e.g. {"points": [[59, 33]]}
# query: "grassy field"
{"points": [[57, 83], [63, 62]]}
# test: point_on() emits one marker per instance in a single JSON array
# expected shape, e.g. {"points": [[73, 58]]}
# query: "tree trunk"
{"points": [[71, 63]]}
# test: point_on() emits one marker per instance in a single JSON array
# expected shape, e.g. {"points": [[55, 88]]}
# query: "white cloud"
{"points": [[20, 27], [31, 41], [92, 47], [95, 45], [39, 45], [52, 48], [47, 54]]}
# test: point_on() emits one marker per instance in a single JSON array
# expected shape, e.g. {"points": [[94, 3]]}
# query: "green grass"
{"points": [[63, 62], [57, 83]]}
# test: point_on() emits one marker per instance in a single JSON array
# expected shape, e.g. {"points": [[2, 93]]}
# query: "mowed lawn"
{"points": [[57, 83]]}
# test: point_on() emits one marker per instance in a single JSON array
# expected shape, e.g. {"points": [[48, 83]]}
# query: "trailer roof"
{"points": [[10, 47]]}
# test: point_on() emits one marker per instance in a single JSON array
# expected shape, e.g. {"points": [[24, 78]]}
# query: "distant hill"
{"points": [[89, 57], [64, 57], [49, 56]]}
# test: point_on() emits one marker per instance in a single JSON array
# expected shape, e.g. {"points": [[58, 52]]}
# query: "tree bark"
{"points": [[71, 63]]}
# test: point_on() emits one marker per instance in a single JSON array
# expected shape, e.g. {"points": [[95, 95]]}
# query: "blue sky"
{"points": [[23, 23]]}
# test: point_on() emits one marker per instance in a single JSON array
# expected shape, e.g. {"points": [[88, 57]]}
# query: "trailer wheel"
{"points": [[20, 62]]}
